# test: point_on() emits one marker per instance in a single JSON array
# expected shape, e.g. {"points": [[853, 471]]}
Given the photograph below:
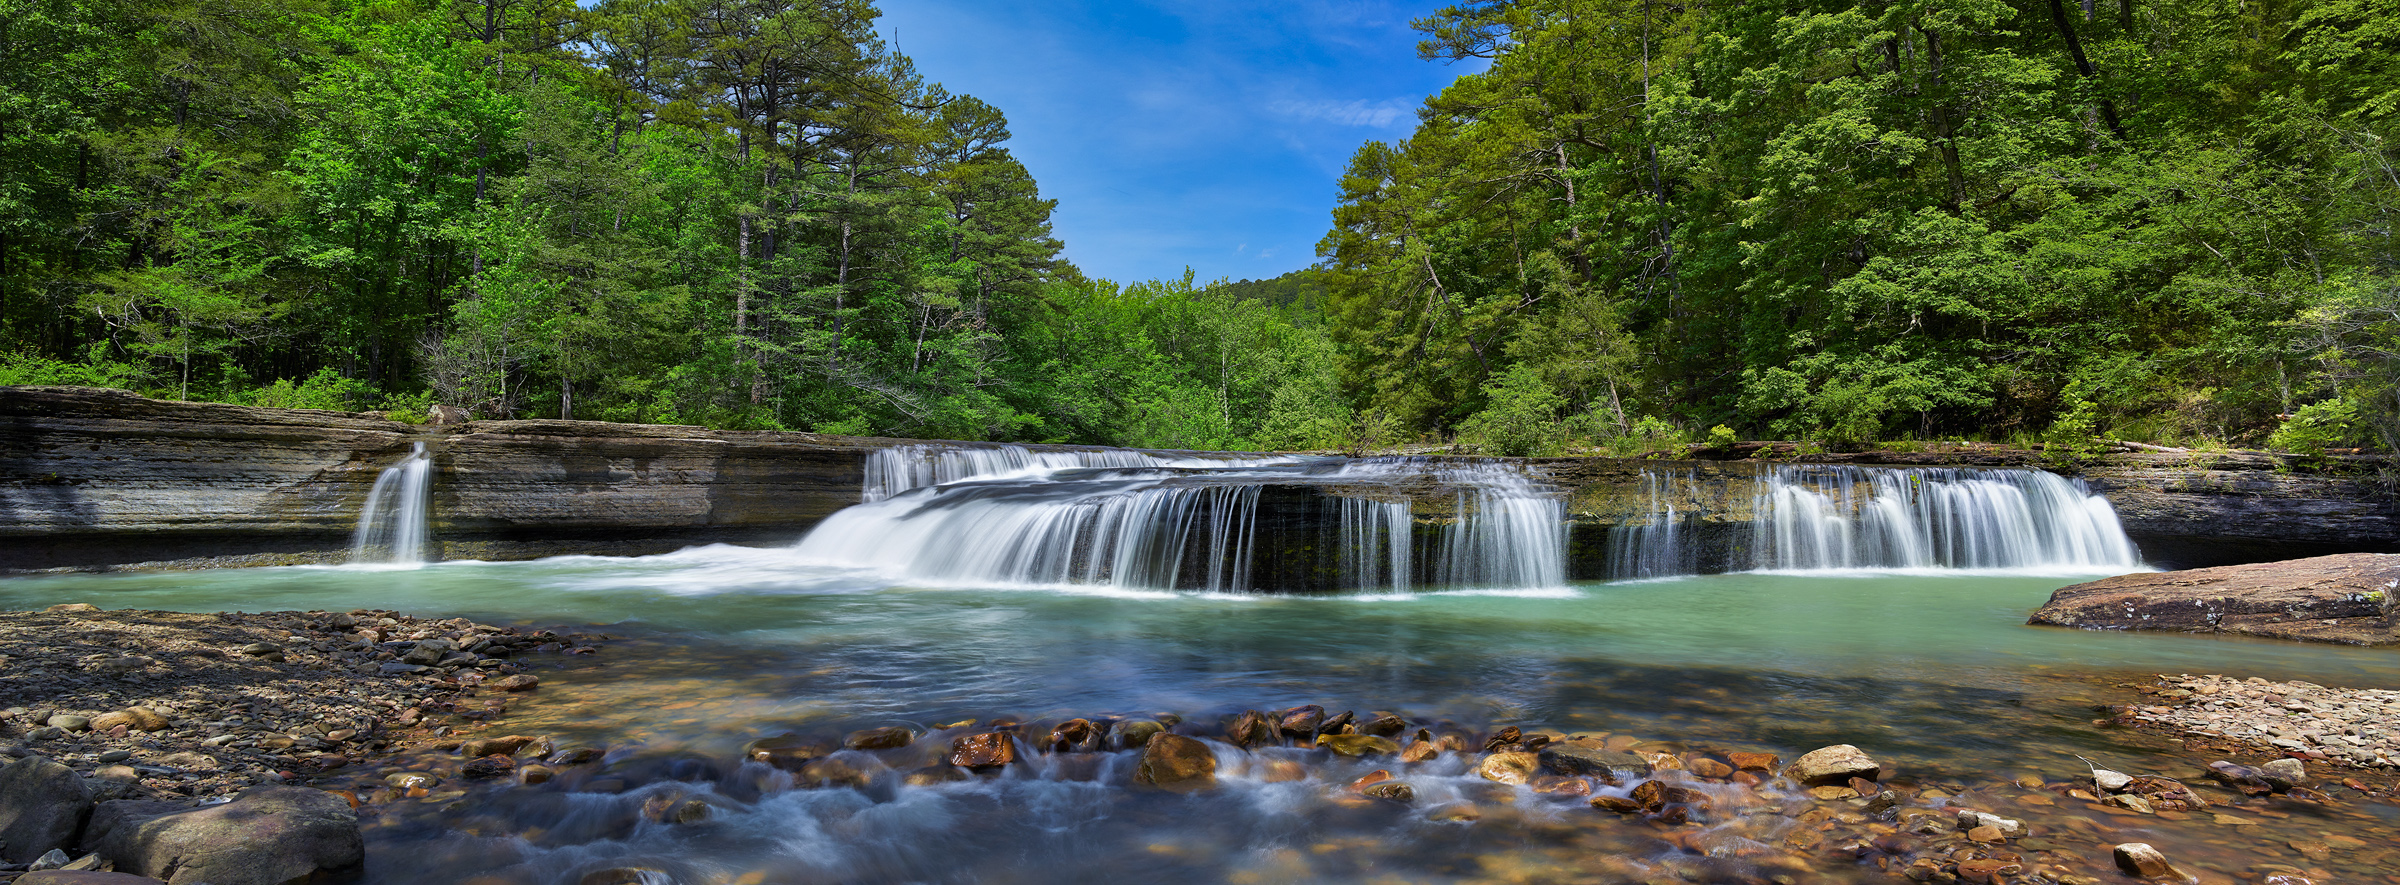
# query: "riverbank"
{"points": [[178, 706]]}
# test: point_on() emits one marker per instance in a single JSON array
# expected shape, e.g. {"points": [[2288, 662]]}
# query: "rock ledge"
{"points": [[2343, 599]]}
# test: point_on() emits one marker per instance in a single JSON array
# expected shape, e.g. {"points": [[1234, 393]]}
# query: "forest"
{"points": [[1637, 223]]}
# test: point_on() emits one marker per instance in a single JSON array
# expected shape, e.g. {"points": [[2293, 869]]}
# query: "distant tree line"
{"points": [[1644, 222], [741, 213], [2166, 220]]}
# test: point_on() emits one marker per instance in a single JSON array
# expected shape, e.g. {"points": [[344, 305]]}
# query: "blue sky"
{"points": [[1200, 134]]}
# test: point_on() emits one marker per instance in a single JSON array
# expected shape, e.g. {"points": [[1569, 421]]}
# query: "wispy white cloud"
{"points": [[1360, 112]]}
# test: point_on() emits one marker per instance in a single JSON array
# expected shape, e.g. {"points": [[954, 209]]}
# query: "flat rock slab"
{"points": [[2345, 599]]}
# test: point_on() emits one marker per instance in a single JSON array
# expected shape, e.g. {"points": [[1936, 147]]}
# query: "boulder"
{"points": [[265, 836], [1587, 758], [1833, 766], [1250, 729], [1302, 721], [1134, 734], [1177, 764], [985, 751], [2345, 599], [1509, 767], [2139, 860], [42, 805]]}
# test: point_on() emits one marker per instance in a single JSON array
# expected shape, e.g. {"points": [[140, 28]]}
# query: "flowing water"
{"points": [[961, 595], [392, 527]]}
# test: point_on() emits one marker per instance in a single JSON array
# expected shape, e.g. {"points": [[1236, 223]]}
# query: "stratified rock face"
{"points": [[2193, 510], [102, 478], [2346, 599]]}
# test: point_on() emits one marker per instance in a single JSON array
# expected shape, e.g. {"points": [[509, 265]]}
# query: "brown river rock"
{"points": [[2346, 599], [983, 751], [1177, 764]]}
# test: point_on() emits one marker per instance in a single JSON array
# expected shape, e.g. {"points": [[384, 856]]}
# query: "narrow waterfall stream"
{"points": [[392, 526], [1830, 517], [1138, 521]]}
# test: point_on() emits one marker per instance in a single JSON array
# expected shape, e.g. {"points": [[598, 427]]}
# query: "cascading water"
{"points": [[392, 527], [1656, 546], [1135, 520], [1814, 517]]}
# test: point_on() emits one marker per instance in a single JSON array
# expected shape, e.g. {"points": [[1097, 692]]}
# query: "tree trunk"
{"points": [[2083, 64]]}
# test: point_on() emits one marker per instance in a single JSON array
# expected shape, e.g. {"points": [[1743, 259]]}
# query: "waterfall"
{"points": [[1654, 545], [897, 469], [1507, 532], [1137, 520], [1814, 517], [392, 527]]}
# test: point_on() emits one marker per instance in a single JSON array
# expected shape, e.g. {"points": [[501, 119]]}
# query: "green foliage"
{"points": [[1521, 415], [2073, 438], [30, 369], [1722, 438], [327, 389], [2333, 423]]}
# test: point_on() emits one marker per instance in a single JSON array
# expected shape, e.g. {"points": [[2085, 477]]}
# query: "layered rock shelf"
{"points": [[2343, 599], [102, 479]]}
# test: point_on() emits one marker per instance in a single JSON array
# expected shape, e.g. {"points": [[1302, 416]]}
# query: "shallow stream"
{"points": [[1934, 673]]}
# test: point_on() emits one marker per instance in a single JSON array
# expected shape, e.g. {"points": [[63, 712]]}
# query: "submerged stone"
{"points": [[886, 738], [1177, 764], [1356, 745]]}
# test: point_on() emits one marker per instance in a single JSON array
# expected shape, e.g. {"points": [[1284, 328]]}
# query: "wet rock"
{"points": [[531, 774], [983, 752], [503, 746], [1177, 764], [2139, 860], [579, 755], [1557, 785], [409, 780], [787, 752], [1073, 736], [265, 836], [42, 805], [1356, 745], [1420, 750], [1832, 793], [2008, 827], [1503, 739], [1343, 723], [2131, 802], [2284, 774], [1251, 729], [495, 765], [1134, 734], [519, 682], [1383, 725], [1985, 871], [890, 737], [1618, 804], [838, 770], [1509, 767], [1577, 758], [50, 860], [1301, 722], [1836, 764], [1710, 768], [1754, 761], [1390, 791]]}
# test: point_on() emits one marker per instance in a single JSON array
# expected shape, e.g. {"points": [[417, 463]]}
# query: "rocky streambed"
{"points": [[122, 722]]}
